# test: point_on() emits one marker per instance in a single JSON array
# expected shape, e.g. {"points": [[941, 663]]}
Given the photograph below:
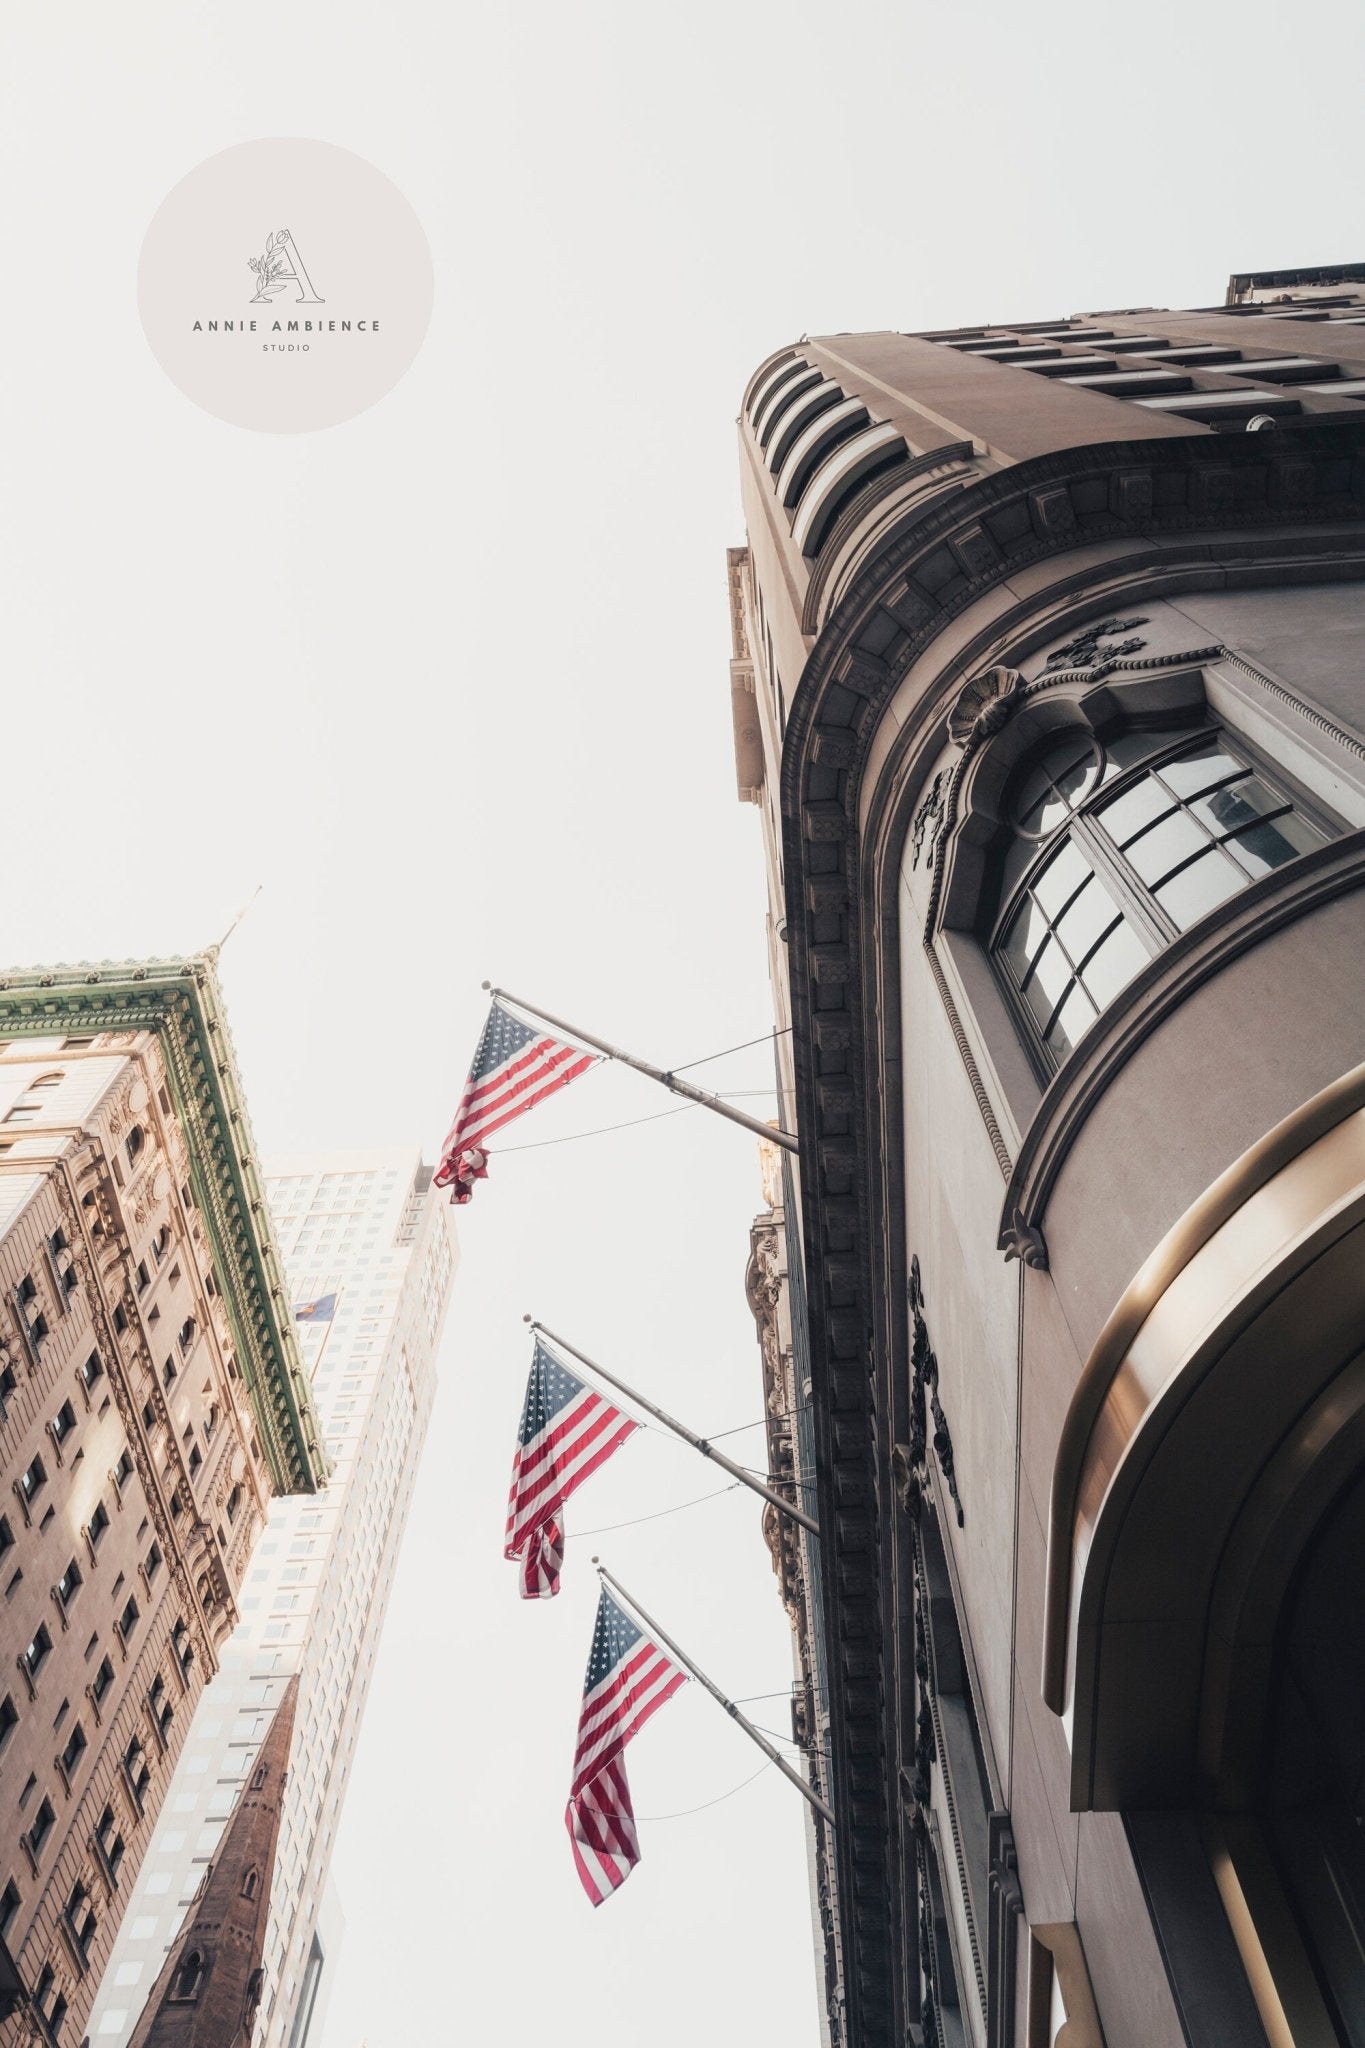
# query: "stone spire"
{"points": [[210, 1983]]}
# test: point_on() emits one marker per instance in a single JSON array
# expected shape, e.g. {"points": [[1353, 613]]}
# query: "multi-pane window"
{"points": [[1117, 849]]}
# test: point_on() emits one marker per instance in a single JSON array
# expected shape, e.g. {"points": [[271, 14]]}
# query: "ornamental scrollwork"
{"points": [[910, 1461], [1089, 648]]}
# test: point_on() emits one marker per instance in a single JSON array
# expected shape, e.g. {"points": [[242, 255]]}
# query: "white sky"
{"points": [[451, 679]]}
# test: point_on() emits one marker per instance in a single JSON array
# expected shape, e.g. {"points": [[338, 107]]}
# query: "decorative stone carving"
{"points": [[927, 819], [1089, 648], [984, 706], [910, 1467], [1023, 1241]]}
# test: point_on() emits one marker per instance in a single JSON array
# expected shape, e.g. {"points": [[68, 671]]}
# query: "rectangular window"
{"points": [[43, 1821], [99, 1522], [9, 1718], [128, 1620], [91, 1371], [74, 1751], [69, 1583], [33, 1480], [103, 1679], [36, 1655], [9, 1907]]}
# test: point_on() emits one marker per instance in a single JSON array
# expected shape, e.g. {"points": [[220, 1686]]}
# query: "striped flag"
{"points": [[629, 1678], [516, 1066], [567, 1431]]}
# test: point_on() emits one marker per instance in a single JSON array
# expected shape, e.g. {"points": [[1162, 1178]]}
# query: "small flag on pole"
{"points": [[567, 1431], [515, 1067], [319, 1311], [629, 1678]]}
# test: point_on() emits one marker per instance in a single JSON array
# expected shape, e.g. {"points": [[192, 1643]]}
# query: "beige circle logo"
{"points": [[285, 285]]}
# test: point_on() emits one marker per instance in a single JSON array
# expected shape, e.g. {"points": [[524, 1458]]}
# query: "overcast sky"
{"points": [[451, 681]]}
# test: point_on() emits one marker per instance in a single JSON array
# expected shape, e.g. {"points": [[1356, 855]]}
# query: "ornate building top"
{"points": [[181, 1002]]}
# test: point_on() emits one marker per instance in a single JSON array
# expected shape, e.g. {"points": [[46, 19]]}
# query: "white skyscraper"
{"points": [[370, 1249]]}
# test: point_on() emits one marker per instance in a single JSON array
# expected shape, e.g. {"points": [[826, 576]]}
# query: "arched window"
{"points": [[187, 1329], [188, 1978], [1116, 848], [134, 1143], [249, 1883]]}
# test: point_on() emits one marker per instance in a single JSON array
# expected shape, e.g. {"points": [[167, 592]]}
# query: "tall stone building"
{"points": [[370, 1249], [152, 1399], [210, 1984], [1049, 682]]}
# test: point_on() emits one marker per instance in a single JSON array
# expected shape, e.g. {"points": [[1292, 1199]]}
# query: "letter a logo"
{"points": [[281, 266]]}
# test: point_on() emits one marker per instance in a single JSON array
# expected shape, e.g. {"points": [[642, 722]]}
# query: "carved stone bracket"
{"points": [[910, 1461], [1023, 1241]]}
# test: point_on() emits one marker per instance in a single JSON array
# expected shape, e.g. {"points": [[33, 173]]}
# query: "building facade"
{"points": [[1049, 648], [152, 1399], [369, 1246]]}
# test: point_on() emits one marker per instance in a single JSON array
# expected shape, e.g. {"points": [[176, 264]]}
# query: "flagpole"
{"points": [[698, 1443], [807, 1791], [613, 1052]]}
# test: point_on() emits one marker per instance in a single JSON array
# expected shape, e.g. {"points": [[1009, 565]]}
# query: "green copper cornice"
{"points": [[180, 1000]]}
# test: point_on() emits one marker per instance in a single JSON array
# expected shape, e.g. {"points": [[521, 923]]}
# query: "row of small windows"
{"points": [[820, 446], [1160, 381], [1116, 849]]}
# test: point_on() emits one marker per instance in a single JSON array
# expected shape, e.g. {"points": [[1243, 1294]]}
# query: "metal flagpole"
{"points": [[807, 1791], [698, 1443], [613, 1052]]}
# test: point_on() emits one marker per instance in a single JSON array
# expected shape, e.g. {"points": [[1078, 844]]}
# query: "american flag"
{"points": [[516, 1066], [629, 1678], [567, 1431]]}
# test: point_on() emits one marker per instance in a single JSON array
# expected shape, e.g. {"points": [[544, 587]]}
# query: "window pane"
{"points": [[1241, 803], [1126, 749], [1113, 965], [1136, 808], [1048, 983], [1076, 1015], [1200, 887], [1072, 781], [1196, 772], [1027, 931], [1269, 846], [1087, 918], [1031, 798], [1165, 846], [1061, 878]]}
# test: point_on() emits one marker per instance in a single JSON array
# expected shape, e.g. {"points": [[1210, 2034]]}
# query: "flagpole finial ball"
{"points": [[526, 1319], [598, 1562], [485, 984]]}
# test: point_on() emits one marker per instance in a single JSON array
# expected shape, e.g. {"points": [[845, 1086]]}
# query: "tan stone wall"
{"points": [[115, 1257]]}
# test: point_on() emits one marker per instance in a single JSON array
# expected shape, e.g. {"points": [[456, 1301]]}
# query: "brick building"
{"points": [[211, 1982], [151, 1401]]}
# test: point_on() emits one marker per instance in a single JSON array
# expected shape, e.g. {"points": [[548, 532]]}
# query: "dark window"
{"points": [[153, 1564], [144, 1278], [188, 1978], [63, 1422], [168, 1372], [177, 1507], [136, 1771], [10, 1903], [196, 1459], [162, 1711], [249, 1883], [1117, 849], [123, 1471], [75, 1749], [103, 1679], [80, 1918], [161, 1242], [234, 1502], [9, 1718], [6, 1535], [43, 1821], [187, 1330], [33, 1480], [183, 1647], [91, 1371], [128, 1620], [120, 1318], [35, 1656], [110, 1840], [148, 1416], [69, 1583], [8, 1384], [136, 1140], [99, 1522]]}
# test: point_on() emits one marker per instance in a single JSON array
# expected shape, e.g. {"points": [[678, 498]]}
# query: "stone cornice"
{"points": [[180, 1001], [845, 1017]]}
